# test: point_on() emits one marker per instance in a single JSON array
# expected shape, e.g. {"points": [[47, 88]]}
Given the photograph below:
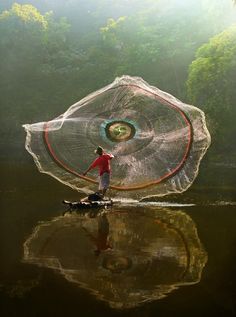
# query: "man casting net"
{"points": [[157, 140]]}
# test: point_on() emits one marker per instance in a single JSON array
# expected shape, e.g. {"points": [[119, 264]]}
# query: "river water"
{"points": [[172, 257]]}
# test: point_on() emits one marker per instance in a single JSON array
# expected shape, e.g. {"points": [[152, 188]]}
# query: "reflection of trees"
{"points": [[153, 252]]}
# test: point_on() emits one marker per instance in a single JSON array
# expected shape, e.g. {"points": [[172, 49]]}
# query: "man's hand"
{"points": [[84, 173]]}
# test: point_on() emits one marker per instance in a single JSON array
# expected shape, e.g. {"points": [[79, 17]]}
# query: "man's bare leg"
{"points": [[103, 191]]}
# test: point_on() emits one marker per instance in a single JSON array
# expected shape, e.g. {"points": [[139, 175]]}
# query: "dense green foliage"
{"points": [[211, 84], [31, 45], [55, 52]]}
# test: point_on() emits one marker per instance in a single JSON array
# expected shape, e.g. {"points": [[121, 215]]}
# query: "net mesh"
{"points": [[157, 140]]}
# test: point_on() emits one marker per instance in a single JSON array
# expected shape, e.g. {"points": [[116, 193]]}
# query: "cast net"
{"points": [[157, 140]]}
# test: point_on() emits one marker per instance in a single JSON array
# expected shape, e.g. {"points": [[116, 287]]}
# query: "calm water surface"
{"points": [[134, 260]]}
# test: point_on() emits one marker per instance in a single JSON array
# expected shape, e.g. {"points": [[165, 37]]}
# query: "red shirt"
{"points": [[103, 163]]}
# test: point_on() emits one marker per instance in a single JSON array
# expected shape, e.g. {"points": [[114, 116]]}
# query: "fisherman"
{"points": [[103, 163]]}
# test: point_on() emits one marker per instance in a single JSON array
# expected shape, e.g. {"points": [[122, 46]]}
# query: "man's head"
{"points": [[99, 150]]}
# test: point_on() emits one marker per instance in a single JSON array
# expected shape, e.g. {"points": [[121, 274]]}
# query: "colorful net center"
{"points": [[119, 131]]}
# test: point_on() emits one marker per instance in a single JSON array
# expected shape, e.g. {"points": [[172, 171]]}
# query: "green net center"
{"points": [[119, 131]]}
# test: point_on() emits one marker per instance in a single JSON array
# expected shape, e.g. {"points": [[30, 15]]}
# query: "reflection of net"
{"points": [[153, 252], [157, 140]]}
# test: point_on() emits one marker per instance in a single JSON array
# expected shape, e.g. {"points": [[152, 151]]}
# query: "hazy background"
{"points": [[54, 52]]}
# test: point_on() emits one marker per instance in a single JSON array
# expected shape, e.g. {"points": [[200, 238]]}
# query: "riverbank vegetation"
{"points": [[53, 53]]}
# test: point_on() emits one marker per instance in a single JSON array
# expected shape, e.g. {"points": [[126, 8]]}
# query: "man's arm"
{"points": [[84, 173], [94, 164]]}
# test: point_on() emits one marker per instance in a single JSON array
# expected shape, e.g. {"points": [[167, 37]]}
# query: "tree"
{"points": [[30, 44], [211, 85], [34, 52], [160, 42]]}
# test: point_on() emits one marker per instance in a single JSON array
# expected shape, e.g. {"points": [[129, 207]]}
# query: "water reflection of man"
{"points": [[101, 241]]}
